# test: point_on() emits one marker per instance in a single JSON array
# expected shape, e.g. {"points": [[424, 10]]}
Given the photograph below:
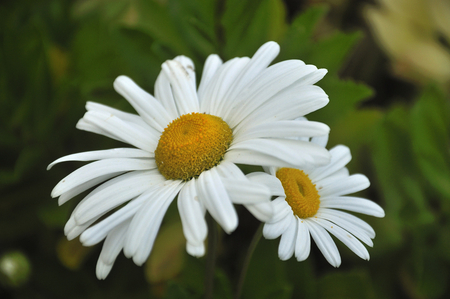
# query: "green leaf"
{"points": [[431, 136], [248, 24], [344, 97]]}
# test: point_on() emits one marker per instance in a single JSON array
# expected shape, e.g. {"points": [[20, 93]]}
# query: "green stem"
{"points": [[251, 249], [211, 257]]}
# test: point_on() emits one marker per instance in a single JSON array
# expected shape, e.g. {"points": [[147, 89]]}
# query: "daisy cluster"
{"points": [[186, 144]]}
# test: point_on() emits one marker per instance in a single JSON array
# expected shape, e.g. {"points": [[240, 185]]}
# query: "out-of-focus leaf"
{"points": [[71, 253], [331, 52], [248, 24], [167, 257], [344, 96], [297, 41], [430, 123]]}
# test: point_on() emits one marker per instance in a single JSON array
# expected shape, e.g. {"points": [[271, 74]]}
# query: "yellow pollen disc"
{"points": [[301, 193], [191, 144]]}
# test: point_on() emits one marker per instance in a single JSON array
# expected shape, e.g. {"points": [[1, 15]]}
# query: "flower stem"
{"points": [[211, 257], [246, 263]]}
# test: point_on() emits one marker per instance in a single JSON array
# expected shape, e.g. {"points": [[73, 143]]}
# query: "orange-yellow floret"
{"points": [[191, 144], [301, 193]]}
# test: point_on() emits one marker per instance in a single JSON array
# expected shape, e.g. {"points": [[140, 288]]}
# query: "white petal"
{"points": [[195, 249], [347, 221], [147, 106], [320, 140], [98, 232], [340, 156], [69, 194], [245, 191], [114, 193], [227, 169], [283, 129], [73, 231], [354, 204], [325, 243], [288, 240], [114, 243], [184, 91], [277, 152], [287, 105], [345, 237], [267, 84], [188, 65], [102, 270], [163, 93], [103, 154], [125, 116], [146, 139], [212, 64], [192, 214], [349, 185], [262, 211], [260, 60], [274, 230], [303, 242], [215, 94], [99, 168], [268, 180], [281, 209], [145, 224], [214, 196]]}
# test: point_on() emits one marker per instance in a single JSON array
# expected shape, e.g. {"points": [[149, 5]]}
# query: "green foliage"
{"points": [[56, 55]]}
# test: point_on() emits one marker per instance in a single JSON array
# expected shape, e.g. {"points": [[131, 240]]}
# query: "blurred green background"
{"points": [[388, 83]]}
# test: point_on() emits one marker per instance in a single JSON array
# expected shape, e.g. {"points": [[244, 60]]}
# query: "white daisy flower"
{"points": [[188, 142], [309, 204]]}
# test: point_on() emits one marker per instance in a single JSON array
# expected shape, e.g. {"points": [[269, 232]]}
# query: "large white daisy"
{"points": [[309, 204], [187, 143]]}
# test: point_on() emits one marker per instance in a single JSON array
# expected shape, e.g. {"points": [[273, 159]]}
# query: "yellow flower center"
{"points": [[191, 144], [301, 193]]}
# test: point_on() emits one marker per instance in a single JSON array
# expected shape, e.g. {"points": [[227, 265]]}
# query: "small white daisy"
{"points": [[309, 203], [187, 143]]}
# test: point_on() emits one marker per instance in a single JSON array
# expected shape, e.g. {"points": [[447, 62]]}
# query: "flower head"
{"points": [[309, 204], [187, 143]]}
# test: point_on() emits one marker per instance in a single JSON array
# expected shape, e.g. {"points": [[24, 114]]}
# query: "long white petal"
{"points": [[192, 214], [303, 243], [245, 191], [69, 194], [262, 211], [354, 204], [99, 168], [349, 185], [267, 84], [345, 237], [145, 224], [114, 193], [346, 221], [274, 230], [325, 243], [214, 196], [164, 94], [268, 180], [146, 139], [104, 154], [212, 64], [215, 94], [185, 93], [147, 106], [340, 156], [284, 152], [287, 105], [287, 242]]}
